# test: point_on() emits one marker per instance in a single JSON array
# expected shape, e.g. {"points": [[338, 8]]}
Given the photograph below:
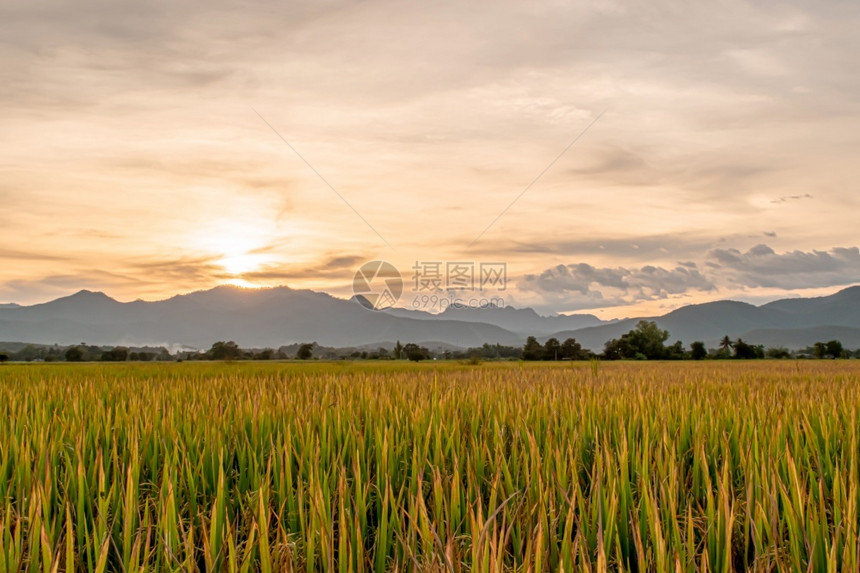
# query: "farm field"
{"points": [[682, 466]]}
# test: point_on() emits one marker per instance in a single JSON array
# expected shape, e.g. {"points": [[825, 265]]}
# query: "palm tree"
{"points": [[726, 344]]}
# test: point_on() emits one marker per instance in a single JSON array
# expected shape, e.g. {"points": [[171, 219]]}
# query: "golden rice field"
{"points": [[714, 466]]}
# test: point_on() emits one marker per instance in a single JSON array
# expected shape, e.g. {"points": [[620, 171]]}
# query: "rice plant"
{"points": [[433, 467]]}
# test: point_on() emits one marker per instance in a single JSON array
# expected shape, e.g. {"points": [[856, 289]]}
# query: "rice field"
{"points": [[709, 466]]}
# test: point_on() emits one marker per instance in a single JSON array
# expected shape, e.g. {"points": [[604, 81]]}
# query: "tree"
{"points": [[571, 350], [726, 346], [219, 351], [675, 351], [265, 354], [647, 339], [819, 350], [778, 352], [532, 349], [415, 353], [398, 350], [619, 348], [305, 351], [698, 350], [3, 357], [117, 354], [28, 353], [75, 354], [507, 351], [746, 351], [834, 349], [645, 342], [552, 349]]}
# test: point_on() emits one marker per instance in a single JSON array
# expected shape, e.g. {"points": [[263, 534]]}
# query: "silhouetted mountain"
{"points": [[8, 305], [709, 322], [797, 338], [839, 309], [524, 321], [281, 316], [253, 318]]}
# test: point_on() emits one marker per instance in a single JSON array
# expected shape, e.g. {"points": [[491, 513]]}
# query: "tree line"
{"points": [[85, 353], [647, 341]]}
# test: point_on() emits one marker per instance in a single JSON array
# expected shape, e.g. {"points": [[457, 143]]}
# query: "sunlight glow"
{"points": [[242, 283], [243, 263], [238, 247]]}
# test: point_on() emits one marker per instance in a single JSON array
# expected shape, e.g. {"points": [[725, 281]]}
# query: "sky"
{"points": [[620, 158]]}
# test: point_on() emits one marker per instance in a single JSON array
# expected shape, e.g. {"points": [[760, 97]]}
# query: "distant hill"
{"points": [[281, 316], [841, 308], [797, 338], [524, 321], [251, 317], [777, 323]]}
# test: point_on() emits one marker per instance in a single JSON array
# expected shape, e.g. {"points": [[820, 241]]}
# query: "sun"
{"points": [[237, 247], [238, 264]]}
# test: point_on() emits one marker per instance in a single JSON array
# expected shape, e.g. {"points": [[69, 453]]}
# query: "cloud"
{"points": [[146, 276], [718, 174], [30, 256], [340, 267], [619, 283], [179, 270], [787, 198], [569, 243], [134, 124], [721, 271], [761, 266], [31, 291]]}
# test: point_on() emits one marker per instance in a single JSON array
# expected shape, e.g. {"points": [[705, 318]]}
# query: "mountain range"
{"points": [[277, 316]]}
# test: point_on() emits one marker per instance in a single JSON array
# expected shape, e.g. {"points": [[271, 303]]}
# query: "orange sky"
{"points": [[132, 160]]}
